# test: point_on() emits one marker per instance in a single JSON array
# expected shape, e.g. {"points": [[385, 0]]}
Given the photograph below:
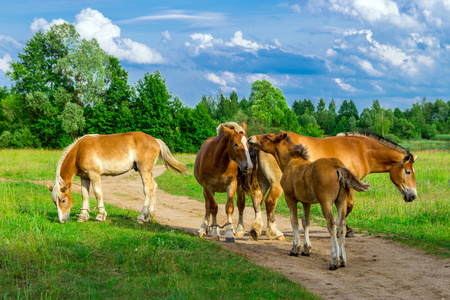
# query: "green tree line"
{"points": [[63, 86]]}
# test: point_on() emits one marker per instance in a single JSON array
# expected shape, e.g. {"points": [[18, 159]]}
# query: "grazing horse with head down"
{"points": [[325, 181], [92, 156], [216, 170], [362, 153]]}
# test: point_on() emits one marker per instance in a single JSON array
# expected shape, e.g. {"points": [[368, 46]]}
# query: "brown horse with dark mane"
{"points": [[325, 181], [362, 153], [216, 170], [92, 156]]}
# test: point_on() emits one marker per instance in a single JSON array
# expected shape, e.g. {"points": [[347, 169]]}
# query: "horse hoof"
{"points": [[280, 238], [230, 240], [332, 267], [350, 233], [215, 238], [255, 234], [140, 221], [291, 253], [305, 254], [239, 234]]}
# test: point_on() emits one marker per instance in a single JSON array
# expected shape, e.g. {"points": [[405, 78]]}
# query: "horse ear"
{"points": [[64, 188], [283, 135], [50, 188], [244, 127], [415, 157], [228, 130]]}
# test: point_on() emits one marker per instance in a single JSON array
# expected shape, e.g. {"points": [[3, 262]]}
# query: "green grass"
{"points": [[115, 259], [415, 146], [424, 223]]}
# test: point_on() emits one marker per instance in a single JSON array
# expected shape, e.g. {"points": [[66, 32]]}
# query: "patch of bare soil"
{"points": [[376, 268]]}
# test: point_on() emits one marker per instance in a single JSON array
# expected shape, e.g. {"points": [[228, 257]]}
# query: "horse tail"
{"points": [[169, 160], [349, 180]]}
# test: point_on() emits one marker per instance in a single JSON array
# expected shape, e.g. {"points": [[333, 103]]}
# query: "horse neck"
{"points": [[221, 156], [68, 167], [283, 157], [382, 159]]}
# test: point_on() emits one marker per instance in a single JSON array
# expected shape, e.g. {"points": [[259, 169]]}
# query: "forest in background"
{"points": [[63, 87]]}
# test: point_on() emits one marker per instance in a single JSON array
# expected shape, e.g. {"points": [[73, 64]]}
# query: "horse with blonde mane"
{"points": [[325, 181], [92, 156], [362, 153], [216, 169]]}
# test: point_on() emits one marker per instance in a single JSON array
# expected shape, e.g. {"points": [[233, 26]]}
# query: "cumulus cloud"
{"points": [[224, 80], [4, 63], [165, 37], [375, 12], [277, 81], [238, 41], [42, 24], [7, 42], [90, 23], [367, 67], [345, 86]]}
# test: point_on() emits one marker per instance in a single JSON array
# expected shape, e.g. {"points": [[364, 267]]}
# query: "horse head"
{"points": [[402, 175], [266, 142], [62, 198], [237, 148]]}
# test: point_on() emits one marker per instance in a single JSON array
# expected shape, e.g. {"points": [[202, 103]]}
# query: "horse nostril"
{"points": [[245, 169]]}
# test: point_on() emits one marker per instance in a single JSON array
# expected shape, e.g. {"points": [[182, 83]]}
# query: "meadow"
{"points": [[116, 259], [423, 223]]}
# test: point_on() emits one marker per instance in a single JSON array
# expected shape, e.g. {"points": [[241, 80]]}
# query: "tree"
{"points": [[299, 107]]}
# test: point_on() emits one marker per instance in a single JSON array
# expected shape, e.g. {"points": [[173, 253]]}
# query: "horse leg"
{"points": [[271, 202], [331, 226], [148, 211], [306, 225], [229, 209], [341, 206], [241, 206], [97, 187], [204, 228], [257, 224], [214, 208], [350, 204], [84, 214], [292, 204]]}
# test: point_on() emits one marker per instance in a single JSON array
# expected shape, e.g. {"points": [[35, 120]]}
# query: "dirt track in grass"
{"points": [[376, 268]]}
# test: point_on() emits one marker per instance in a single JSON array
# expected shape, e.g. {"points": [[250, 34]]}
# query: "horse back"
{"points": [[351, 151], [115, 153]]}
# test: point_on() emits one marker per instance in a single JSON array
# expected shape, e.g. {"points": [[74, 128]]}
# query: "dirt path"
{"points": [[377, 268]]}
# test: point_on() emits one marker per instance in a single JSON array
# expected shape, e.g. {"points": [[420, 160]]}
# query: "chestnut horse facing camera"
{"points": [[92, 156], [325, 181], [362, 153], [216, 170]]}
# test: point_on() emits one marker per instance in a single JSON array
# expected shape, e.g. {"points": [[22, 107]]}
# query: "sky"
{"points": [[396, 51]]}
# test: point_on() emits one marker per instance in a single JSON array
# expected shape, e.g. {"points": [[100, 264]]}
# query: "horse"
{"points": [[326, 181], [94, 155], [362, 153], [216, 170]]}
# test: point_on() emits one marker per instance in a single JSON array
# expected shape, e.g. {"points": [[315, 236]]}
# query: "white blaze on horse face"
{"points": [[247, 153]]}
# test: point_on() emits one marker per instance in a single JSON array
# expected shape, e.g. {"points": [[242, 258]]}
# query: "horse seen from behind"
{"points": [[216, 169], [362, 153], [92, 156], [325, 181]]}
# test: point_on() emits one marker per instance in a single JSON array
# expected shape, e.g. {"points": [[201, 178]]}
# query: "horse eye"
{"points": [[408, 172], [63, 200], [236, 145]]}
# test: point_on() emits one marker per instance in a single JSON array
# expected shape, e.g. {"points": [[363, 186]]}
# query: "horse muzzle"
{"points": [[410, 195], [245, 168]]}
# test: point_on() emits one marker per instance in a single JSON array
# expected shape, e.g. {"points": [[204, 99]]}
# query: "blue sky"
{"points": [[396, 51]]}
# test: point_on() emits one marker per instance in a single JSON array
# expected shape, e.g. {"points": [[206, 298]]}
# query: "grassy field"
{"points": [[424, 223], [116, 259]]}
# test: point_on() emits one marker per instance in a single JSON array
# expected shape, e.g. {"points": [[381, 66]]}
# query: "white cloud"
{"points": [[224, 80], [203, 41], [375, 12], [205, 19], [345, 86], [239, 41], [295, 8], [282, 81], [8, 42], [367, 67], [4, 63], [165, 37], [91, 23], [42, 24]]}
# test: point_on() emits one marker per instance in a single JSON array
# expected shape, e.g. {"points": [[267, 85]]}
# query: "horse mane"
{"points": [[58, 180], [299, 150], [378, 138], [232, 125]]}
